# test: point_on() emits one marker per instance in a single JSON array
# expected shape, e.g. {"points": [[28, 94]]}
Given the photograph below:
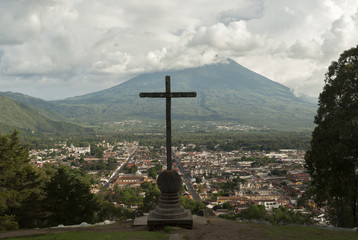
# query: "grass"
{"points": [[82, 235], [168, 229], [307, 233], [253, 230]]}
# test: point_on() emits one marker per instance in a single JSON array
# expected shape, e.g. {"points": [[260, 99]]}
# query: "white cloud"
{"points": [[305, 49], [58, 48], [234, 37]]}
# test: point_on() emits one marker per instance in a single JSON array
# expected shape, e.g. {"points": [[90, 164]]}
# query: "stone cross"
{"points": [[168, 95]]}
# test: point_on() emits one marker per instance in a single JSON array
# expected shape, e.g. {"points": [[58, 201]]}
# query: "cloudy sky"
{"points": [[53, 49]]}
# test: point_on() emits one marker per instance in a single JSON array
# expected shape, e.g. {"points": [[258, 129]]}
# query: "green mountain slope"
{"points": [[23, 117], [45, 108], [226, 92]]}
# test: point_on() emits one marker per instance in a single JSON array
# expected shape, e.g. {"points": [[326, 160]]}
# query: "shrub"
{"points": [[8, 223]]}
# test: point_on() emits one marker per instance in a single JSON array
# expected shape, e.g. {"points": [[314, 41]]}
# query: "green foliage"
{"points": [[97, 165], [30, 119], [193, 205], [69, 199], [126, 196], [106, 211], [228, 187], [8, 223], [257, 161], [97, 151], [13, 166], [151, 198], [332, 159], [109, 211], [279, 215], [147, 186], [254, 212], [227, 206], [278, 172], [19, 181], [152, 173], [284, 215], [269, 141], [158, 167], [168, 229], [32, 197], [130, 170], [263, 140]]}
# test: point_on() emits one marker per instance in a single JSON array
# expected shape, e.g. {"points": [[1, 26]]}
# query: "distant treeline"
{"points": [[269, 141], [265, 140]]}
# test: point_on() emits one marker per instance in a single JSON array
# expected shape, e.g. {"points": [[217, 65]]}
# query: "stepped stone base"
{"points": [[169, 212], [157, 223]]}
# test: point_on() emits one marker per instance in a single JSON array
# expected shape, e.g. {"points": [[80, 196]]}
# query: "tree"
{"points": [[158, 167], [278, 172], [285, 215], [194, 206], [125, 196], [69, 199], [333, 156], [152, 173], [18, 181], [253, 212], [228, 206], [146, 186], [132, 170], [151, 198], [97, 151]]}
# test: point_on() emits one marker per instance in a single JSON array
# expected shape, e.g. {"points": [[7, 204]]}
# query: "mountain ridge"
{"points": [[38, 105], [226, 92], [24, 117]]}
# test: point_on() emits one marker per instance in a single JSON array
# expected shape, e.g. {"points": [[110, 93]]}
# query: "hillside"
{"points": [[23, 117], [44, 108], [226, 92]]}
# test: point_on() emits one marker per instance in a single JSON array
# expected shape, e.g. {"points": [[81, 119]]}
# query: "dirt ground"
{"points": [[215, 229], [218, 229]]}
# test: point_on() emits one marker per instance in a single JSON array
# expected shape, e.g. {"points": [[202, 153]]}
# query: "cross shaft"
{"points": [[168, 96]]}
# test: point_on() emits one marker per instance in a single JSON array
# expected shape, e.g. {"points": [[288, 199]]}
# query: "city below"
{"points": [[240, 177]]}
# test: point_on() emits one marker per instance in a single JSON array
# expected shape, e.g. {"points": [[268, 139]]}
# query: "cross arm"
{"points": [[167, 95]]}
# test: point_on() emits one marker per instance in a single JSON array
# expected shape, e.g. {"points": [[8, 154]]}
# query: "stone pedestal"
{"points": [[169, 212]]}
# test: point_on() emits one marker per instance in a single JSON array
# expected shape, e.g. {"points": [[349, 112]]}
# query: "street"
{"points": [[187, 181]]}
